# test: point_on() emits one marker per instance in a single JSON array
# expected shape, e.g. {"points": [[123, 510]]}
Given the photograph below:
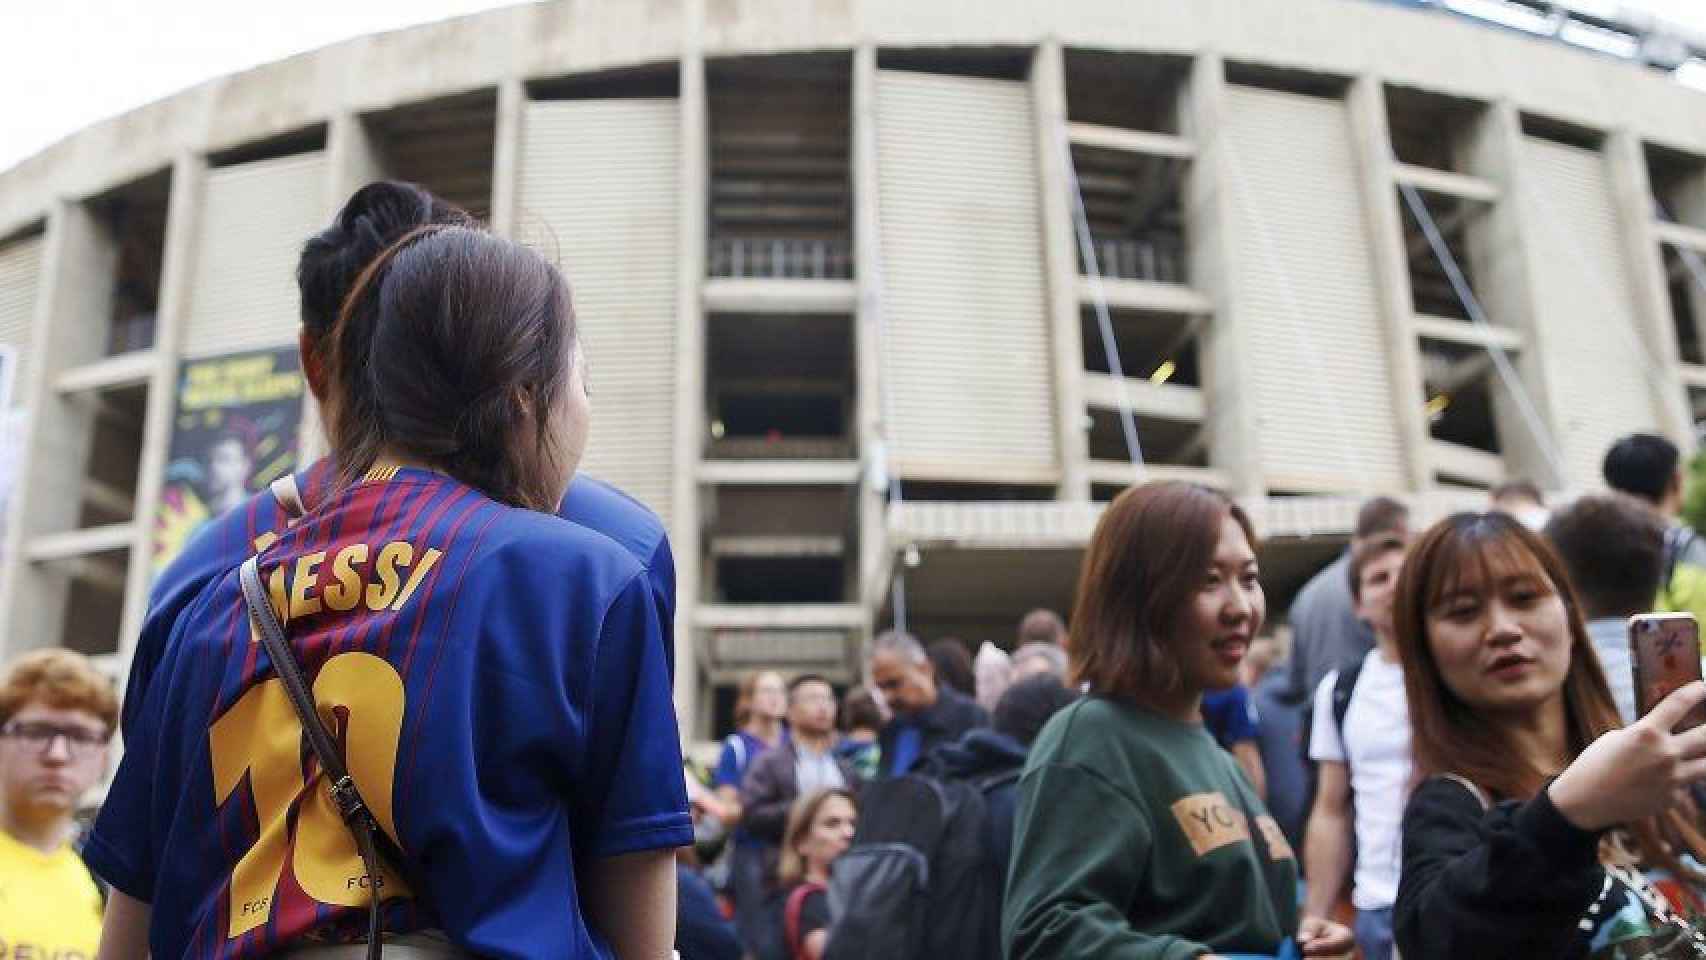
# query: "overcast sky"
{"points": [[71, 63]]}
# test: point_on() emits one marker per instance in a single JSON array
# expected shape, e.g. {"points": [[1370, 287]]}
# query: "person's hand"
{"points": [[1635, 772], [1320, 937]]}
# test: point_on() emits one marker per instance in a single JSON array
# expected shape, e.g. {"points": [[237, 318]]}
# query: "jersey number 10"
{"points": [[261, 736]]}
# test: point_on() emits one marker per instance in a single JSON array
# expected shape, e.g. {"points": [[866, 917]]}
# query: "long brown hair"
{"points": [[791, 867], [1145, 560], [440, 338], [1449, 736], [744, 696]]}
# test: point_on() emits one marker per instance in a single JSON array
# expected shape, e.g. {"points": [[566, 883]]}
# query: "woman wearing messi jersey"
{"points": [[373, 218], [496, 678]]}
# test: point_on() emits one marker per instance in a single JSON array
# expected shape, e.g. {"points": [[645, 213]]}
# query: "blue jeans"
{"points": [[1374, 933]]}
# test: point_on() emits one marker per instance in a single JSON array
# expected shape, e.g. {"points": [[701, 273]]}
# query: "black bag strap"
{"points": [[345, 796], [1343, 689]]}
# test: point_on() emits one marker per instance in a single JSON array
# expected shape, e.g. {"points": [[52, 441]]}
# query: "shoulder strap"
{"points": [[345, 796], [791, 918], [737, 743], [996, 781], [289, 497], [1473, 788], [1343, 688]]}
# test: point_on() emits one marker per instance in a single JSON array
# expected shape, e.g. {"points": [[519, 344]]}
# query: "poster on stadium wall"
{"points": [[234, 432]]}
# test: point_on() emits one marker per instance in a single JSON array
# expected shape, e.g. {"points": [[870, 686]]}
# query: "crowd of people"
{"points": [[415, 698]]}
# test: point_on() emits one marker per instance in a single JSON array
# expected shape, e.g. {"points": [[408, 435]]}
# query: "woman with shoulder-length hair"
{"points": [[1540, 827], [495, 680], [820, 829], [1136, 835]]}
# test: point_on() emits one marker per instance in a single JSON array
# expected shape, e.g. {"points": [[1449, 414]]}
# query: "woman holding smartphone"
{"points": [[1136, 835], [1540, 828]]}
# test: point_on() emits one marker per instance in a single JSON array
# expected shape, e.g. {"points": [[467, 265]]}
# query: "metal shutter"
{"points": [[1306, 296], [599, 188], [20, 267], [254, 218], [966, 351], [1589, 344]]}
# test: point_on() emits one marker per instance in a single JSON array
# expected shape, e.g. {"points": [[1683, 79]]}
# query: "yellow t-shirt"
{"points": [[49, 904]]}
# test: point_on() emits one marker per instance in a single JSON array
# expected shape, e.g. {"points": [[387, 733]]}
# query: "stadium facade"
{"points": [[869, 287]]}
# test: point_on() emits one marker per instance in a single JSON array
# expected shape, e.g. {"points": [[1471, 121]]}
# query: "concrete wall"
{"points": [[1352, 49]]}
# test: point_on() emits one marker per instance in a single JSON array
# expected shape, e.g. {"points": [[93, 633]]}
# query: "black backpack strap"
{"points": [[345, 796], [1343, 688]]}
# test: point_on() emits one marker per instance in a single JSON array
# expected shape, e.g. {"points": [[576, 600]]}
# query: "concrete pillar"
{"points": [[1060, 268], [1650, 294], [867, 338], [1372, 141], [506, 155], [1501, 264], [353, 160], [1234, 438], [690, 363], [183, 211], [72, 315]]}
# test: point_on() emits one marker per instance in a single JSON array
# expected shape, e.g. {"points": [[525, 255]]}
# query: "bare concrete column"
{"points": [[690, 366], [1372, 142], [182, 213], [872, 503], [1633, 194], [1060, 268], [1500, 260], [1233, 437], [506, 155], [72, 314], [353, 160]]}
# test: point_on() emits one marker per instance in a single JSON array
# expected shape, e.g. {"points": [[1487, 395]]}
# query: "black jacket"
{"points": [[1513, 881], [992, 762], [952, 717]]}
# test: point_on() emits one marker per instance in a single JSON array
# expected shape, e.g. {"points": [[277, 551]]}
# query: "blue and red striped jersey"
{"points": [[227, 540], [500, 684]]}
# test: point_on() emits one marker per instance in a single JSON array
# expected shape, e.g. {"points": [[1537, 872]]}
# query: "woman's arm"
{"points": [[124, 928], [630, 901], [730, 812], [1506, 882]]}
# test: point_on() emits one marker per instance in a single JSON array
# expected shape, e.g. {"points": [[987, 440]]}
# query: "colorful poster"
{"points": [[235, 431]]}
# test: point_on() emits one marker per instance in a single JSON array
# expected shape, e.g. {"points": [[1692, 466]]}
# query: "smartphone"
{"points": [[1664, 649]]}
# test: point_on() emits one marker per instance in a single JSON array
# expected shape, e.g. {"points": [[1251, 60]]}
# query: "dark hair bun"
{"points": [[374, 218]]}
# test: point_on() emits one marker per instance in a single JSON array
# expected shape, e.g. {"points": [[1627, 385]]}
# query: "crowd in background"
{"points": [[1443, 749], [1320, 725]]}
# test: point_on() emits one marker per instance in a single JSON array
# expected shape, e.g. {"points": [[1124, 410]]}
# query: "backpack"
{"points": [[916, 884]]}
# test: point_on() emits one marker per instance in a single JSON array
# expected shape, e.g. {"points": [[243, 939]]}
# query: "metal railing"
{"points": [[1120, 258], [778, 258]]}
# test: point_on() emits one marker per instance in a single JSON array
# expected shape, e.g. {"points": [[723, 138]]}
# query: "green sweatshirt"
{"points": [[1137, 837]]}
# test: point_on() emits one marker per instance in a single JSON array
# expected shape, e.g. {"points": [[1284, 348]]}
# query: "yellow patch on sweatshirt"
{"points": [[1210, 822]]}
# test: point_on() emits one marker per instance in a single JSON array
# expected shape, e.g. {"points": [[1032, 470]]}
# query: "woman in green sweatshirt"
{"points": [[1137, 837]]}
